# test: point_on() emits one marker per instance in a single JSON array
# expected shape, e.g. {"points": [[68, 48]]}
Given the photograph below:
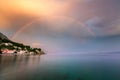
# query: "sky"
{"points": [[57, 26]]}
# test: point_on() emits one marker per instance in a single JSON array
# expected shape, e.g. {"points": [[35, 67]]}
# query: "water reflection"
{"points": [[12, 67], [60, 67]]}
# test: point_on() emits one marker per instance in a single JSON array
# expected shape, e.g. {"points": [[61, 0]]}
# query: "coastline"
{"points": [[12, 54]]}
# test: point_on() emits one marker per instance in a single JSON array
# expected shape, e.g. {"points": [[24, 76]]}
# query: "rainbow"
{"points": [[37, 19]]}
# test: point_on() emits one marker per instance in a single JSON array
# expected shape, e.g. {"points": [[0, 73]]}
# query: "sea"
{"points": [[60, 67]]}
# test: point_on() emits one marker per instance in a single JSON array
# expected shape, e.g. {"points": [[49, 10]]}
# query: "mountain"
{"points": [[8, 46], [2, 37]]}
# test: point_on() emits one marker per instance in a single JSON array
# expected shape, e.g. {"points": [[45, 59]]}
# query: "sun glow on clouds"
{"points": [[32, 7]]}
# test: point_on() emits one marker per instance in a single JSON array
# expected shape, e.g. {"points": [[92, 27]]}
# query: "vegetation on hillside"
{"points": [[17, 48]]}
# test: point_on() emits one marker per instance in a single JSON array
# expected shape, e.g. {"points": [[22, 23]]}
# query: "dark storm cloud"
{"points": [[102, 16], [108, 14]]}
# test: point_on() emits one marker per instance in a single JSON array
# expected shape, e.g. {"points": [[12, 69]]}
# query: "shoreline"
{"points": [[12, 54]]}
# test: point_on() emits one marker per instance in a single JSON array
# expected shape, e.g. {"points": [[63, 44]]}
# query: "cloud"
{"points": [[101, 16], [16, 10], [63, 24], [106, 11]]}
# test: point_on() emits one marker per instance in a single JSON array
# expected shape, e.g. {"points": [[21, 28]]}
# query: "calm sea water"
{"points": [[64, 67]]}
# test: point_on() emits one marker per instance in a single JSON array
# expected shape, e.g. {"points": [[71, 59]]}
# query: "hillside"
{"points": [[8, 46]]}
